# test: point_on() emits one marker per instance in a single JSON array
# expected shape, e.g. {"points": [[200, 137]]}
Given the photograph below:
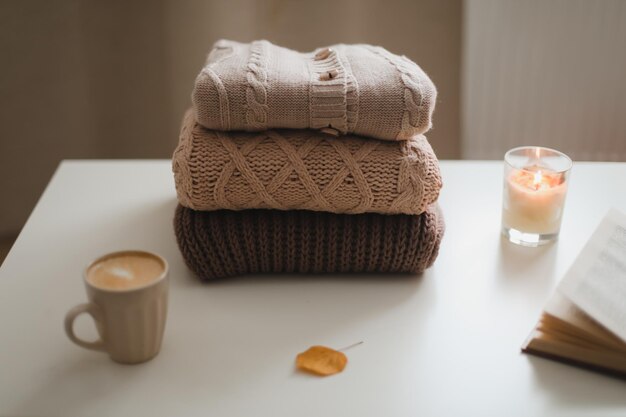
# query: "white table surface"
{"points": [[443, 344]]}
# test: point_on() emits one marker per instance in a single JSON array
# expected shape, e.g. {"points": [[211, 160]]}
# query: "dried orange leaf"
{"points": [[321, 360]]}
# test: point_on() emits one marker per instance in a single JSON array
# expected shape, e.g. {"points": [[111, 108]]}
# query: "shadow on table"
{"points": [[572, 387], [526, 269], [328, 301], [77, 386], [293, 312]]}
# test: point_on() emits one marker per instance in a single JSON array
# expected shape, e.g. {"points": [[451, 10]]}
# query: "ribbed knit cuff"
{"points": [[223, 243]]}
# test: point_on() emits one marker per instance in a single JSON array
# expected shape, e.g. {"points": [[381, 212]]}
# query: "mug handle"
{"points": [[71, 315]]}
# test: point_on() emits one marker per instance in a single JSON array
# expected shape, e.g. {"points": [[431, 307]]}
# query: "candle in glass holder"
{"points": [[535, 186]]}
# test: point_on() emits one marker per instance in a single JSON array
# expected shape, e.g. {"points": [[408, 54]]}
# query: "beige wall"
{"points": [[93, 79], [427, 31], [77, 80], [545, 72]]}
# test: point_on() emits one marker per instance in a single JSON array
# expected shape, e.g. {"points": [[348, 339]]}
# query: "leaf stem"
{"points": [[350, 346]]}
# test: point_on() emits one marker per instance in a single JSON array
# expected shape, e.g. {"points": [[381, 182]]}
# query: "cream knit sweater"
{"points": [[359, 89]]}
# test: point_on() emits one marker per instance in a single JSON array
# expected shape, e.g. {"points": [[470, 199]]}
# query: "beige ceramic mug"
{"points": [[127, 294]]}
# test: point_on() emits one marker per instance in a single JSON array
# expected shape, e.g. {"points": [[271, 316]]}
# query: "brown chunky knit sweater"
{"points": [[303, 170], [359, 89], [223, 243]]}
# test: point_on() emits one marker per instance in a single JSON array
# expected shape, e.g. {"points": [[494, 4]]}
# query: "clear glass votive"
{"points": [[535, 186]]}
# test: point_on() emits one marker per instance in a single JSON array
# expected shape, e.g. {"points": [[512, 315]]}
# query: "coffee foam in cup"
{"points": [[125, 271]]}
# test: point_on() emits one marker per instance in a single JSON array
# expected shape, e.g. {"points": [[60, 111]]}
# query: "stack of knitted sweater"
{"points": [[307, 162]]}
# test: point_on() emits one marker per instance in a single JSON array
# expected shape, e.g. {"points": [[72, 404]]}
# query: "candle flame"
{"points": [[537, 179]]}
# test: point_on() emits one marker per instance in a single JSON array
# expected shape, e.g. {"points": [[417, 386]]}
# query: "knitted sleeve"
{"points": [[343, 89]]}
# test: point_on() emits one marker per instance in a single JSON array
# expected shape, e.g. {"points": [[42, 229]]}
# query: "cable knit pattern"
{"points": [[353, 89], [219, 244], [416, 113], [303, 170], [256, 93]]}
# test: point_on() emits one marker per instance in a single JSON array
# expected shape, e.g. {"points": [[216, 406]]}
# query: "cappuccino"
{"points": [[127, 294], [125, 271]]}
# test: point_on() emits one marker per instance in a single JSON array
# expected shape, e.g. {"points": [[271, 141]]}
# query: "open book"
{"points": [[584, 322]]}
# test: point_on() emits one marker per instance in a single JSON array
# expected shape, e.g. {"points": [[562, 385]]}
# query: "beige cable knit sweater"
{"points": [[303, 170], [359, 89]]}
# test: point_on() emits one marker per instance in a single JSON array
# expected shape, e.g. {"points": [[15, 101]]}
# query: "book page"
{"points": [[580, 324], [596, 282]]}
